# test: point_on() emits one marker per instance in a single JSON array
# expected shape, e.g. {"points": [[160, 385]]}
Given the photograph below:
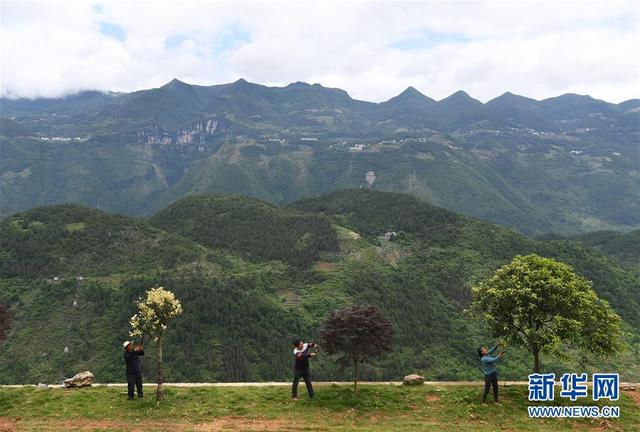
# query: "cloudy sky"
{"points": [[371, 49]]}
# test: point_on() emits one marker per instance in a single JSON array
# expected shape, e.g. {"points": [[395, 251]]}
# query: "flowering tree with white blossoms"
{"points": [[155, 311]]}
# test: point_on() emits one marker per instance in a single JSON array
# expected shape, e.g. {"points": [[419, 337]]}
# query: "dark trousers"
{"points": [[490, 380], [296, 379], [134, 380]]}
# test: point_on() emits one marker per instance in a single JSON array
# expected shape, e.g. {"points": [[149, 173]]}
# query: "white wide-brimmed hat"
{"points": [[125, 343]]}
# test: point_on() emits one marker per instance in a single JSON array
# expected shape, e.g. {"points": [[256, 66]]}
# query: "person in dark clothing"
{"points": [[301, 352], [489, 368], [134, 371]]}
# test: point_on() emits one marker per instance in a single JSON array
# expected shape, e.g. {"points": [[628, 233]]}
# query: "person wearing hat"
{"points": [[134, 371], [302, 354]]}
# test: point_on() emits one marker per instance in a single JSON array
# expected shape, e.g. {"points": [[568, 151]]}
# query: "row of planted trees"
{"points": [[533, 302], [356, 334]]}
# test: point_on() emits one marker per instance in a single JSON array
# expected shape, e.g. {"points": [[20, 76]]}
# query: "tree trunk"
{"points": [[159, 393], [536, 361], [355, 377]]}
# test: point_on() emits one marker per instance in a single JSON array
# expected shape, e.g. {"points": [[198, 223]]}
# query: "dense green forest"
{"points": [[71, 240], [622, 247], [251, 228], [252, 276]]}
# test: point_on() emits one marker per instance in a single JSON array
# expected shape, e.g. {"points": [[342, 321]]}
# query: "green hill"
{"points": [[472, 247], [68, 240], [248, 287], [621, 247], [251, 228]]}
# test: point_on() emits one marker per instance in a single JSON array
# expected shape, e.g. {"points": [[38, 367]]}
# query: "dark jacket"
{"points": [[133, 362], [302, 358]]}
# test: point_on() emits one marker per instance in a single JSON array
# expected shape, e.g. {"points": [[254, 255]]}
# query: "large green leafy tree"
{"points": [[542, 305]]}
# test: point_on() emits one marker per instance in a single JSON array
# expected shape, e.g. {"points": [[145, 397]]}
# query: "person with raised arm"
{"points": [[489, 364], [302, 353], [134, 370]]}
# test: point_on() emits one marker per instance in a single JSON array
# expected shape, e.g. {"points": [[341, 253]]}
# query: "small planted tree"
{"points": [[155, 311], [358, 334], [542, 305]]}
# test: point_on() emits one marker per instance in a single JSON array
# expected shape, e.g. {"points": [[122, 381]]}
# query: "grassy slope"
{"points": [[389, 408]]}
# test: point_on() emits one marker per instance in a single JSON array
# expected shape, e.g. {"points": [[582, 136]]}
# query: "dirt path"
{"points": [[7, 425], [219, 424]]}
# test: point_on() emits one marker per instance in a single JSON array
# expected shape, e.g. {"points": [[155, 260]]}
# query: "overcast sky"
{"points": [[373, 50]]}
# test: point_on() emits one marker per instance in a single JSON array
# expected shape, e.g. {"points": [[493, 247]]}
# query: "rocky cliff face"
{"points": [[192, 134]]}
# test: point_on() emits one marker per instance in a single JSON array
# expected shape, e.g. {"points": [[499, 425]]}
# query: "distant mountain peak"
{"points": [[511, 99], [176, 83], [631, 105], [509, 96], [573, 96], [335, 94], [410, 94], [411, 90], [459, 97], [300, 84], [460, 94], [576, 100], [242, 85]]}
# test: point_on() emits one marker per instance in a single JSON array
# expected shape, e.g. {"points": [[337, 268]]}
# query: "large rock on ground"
{"points": [[82, 379], [413, 379]]}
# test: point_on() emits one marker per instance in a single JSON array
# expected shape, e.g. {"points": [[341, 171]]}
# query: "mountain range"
{"points": [[568, 164]]}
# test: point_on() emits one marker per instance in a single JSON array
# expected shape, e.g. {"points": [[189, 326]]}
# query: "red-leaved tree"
{"points": [[358, 334]]}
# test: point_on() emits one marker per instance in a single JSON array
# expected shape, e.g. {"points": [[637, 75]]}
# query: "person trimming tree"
{"points": [[156, 310], [489, 364], [544, 306], [302, 353], [134, 371]]}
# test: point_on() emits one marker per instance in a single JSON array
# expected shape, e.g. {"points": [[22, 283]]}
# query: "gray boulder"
{"points": [[82, 379], [413, 379]]}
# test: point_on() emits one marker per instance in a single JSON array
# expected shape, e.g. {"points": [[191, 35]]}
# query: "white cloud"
{"points": [[535, 49]]}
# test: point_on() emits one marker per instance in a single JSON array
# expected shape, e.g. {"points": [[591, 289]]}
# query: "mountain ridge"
{"points": [[242, 81], [560, 164]]}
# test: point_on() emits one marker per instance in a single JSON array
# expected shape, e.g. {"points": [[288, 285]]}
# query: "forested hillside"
{"points": [[69, 240], [250, 228], [624, 248], [246, 296]]}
